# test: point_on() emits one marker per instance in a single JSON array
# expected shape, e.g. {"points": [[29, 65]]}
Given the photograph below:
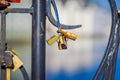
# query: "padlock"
{"points": [[53, 39], [17, 63], [4, 4], [61, 43], [119, 13], [6, 60], [68, 34], [61, 40], [64, 45]]}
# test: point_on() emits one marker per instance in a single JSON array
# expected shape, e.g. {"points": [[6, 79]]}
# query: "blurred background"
{"points": [[83, 56]]}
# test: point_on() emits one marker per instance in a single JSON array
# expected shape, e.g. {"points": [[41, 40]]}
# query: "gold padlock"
{"points": [[61, 39], [68, 34], [62, 43], [17, 63], [53, 39], [119, 11]]}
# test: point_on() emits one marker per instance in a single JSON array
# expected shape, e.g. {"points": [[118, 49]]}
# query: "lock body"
{"points": [[17, 63], [6, 60], [119, 13], [52, 39], [68, 34], [5, 3], [62, 43]]}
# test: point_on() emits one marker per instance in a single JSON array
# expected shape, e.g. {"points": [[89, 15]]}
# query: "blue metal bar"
{"points": [[3, 40], [108, 63], [18, 10], [38, 40]]}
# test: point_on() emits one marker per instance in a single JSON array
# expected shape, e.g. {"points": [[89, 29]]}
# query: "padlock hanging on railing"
{"points": [[119, 13], [52, 39], [62, 43], [68, 34], [18, 64], [5, 3], [61, 35]]}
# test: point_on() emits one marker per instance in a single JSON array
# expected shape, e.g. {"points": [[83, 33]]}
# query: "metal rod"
{"points": [[38, 40], [108, 63], [3, 41], [18, 10]]}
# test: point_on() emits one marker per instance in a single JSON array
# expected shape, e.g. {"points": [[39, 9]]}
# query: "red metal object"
{"points": [[15, 1], [5, 3]]}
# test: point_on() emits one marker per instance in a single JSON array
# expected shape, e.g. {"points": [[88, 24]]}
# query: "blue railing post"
{"points": [[38, 39], [3, 41]]}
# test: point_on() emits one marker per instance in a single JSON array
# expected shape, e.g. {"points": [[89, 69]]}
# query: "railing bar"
{"points": [[18, 10], [3, 41]]}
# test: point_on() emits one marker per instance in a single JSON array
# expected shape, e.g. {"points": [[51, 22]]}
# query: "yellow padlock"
{"points": [[61, 40], [119, 11], [62, 43], [17, 63], [68, 34], [53, 39]]}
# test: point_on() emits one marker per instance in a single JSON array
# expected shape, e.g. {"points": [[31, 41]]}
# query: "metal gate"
{"points": [[37, 11]]}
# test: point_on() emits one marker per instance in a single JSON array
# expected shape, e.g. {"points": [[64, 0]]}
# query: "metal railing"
{"points": [[107, 68], [39, 10]]}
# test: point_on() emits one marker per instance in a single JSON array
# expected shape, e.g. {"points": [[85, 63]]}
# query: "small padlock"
{"points": [[68, 34], [4, 4], [6, 60], [17, 63], [61, 40], [119, 13], [61, 43], [53, 39]]}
